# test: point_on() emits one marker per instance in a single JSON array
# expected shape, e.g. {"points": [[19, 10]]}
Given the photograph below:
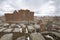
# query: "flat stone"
{"points": [[1, 30], [7, 37], [8, 30], [21, 38], [36, 36], [16, 30]]}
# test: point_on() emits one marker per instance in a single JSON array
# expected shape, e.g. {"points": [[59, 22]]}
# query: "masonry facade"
{"points": [[21, 15]]}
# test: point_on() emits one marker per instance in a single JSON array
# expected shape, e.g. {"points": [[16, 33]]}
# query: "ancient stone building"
{"points": [[19, 16]]}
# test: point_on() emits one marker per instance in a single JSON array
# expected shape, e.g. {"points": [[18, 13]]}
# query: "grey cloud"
{"points": [[34, 3], [29, 4]]}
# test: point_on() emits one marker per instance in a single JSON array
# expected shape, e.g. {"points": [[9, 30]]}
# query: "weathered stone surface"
{"points": [[36, 36], [7, 37]]}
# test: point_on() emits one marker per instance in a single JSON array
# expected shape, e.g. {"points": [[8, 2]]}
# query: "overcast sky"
{"points": [[40, 7]]}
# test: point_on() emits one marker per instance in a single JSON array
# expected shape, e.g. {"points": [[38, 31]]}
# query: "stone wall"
{"points": [[21, 15]]}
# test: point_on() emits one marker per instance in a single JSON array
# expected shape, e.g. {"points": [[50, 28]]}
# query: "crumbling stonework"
{"points": [[21, 15]]}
